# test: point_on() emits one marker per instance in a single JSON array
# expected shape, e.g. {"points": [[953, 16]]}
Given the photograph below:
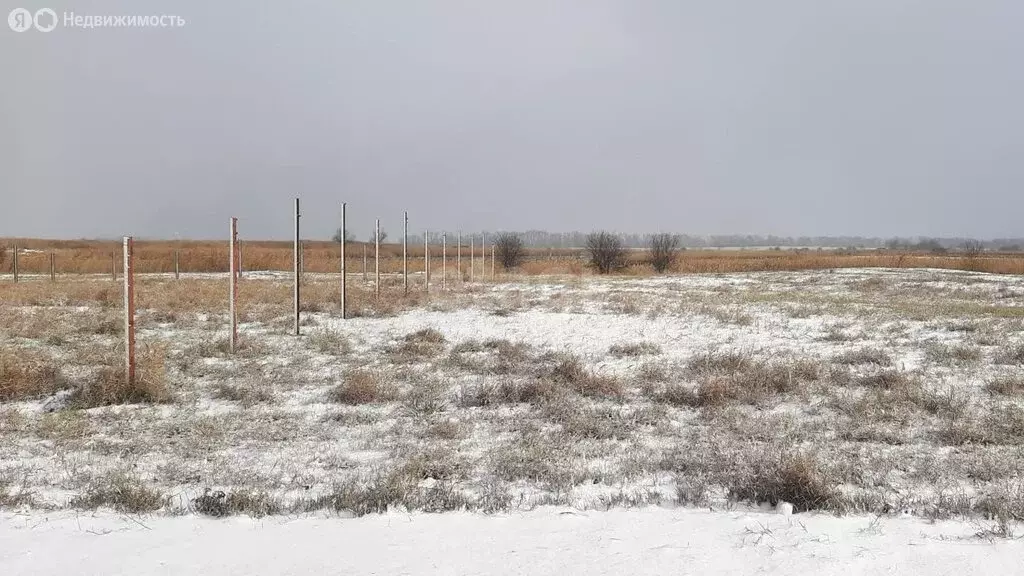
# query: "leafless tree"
{"points": [[972, 248], [664, 249], [606, 252], [509, 249]]}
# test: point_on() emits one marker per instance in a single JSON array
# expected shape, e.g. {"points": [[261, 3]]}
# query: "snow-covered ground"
{"points": [[544, 541], [894, 398]]}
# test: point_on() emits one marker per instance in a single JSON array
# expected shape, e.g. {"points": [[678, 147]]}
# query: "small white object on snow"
{"points": [[784, 508]]}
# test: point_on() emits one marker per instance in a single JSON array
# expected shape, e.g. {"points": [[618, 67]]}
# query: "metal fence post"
{"points": [[344, 266], [113, 266], [364, 262], [376, 258], [129, 309], [233, 271], [53, 271], [176, 270], [426, 261], [472, 257], [14, 262], [492, 262], [444, 261], [405, 254], [458, 257], [296, 264]]}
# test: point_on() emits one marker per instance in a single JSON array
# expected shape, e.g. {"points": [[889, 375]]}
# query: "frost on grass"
{"points": [[849, 394]]}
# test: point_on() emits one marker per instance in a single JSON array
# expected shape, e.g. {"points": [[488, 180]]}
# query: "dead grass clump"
{"points": [[571, 373], [873, 356], [25, 374], [584, 421], [795, 478], [755, 382], [1006, 385], [249, 392], [885, 380], [650, 372], [110, 385], [121, 492], [218, 504], [953, 355], [506, 391], [634, 349], [330, 342], [999, 425], [362, 387], [718, 362], [677, 395], [1012, 354], [416, 346], [426, 396]]}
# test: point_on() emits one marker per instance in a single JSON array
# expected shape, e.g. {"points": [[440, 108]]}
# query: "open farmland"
{"points": [[849, 391]]}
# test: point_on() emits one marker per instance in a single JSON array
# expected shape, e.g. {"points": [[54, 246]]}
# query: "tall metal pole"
{"points": [[444, 261], [233, 284], [344, 270], [458, 258], [376, 258], [295, 265], [405, 254], [426, 261], [472, 257], [129, 309]]}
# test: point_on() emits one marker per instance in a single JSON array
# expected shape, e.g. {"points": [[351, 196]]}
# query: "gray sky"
{"points": [[792, 117]]}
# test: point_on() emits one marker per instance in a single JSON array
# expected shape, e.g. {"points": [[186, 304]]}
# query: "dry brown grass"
{"points": [[363, 387], [26, 374], [109, 386], [94, 256]]}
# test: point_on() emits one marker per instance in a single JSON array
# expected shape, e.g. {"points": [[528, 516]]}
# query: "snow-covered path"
{"points": [[544, 541]]}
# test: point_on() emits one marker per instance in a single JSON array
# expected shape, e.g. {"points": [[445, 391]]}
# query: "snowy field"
{"points": [[577, 424]]}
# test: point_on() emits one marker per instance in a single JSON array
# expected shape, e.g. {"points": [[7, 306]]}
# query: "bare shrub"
{"points": [[416, 346], [506, 391], [251, 503], [584, 421], [677, 395], [712, 362], [249, 392], [727, 379], [110, 385], [886, 380], [509, 250], [664, 250], [605, 252], [1011, 354], [874, 356], [362, 387], [571, 373], [953, 355], [634, 349], [330, 342], [26, 374], [426, 396], [1006, 385], [786, 477], [121, 492]]}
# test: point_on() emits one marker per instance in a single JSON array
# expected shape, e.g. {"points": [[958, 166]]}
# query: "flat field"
{"points": [[890, 392]]}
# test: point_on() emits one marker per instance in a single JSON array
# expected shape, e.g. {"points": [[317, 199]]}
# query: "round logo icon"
{"points": [[20, 19], [45, 20]]}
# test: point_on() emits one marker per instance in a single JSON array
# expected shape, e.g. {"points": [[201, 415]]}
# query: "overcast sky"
{"points": [[790, 117]]}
